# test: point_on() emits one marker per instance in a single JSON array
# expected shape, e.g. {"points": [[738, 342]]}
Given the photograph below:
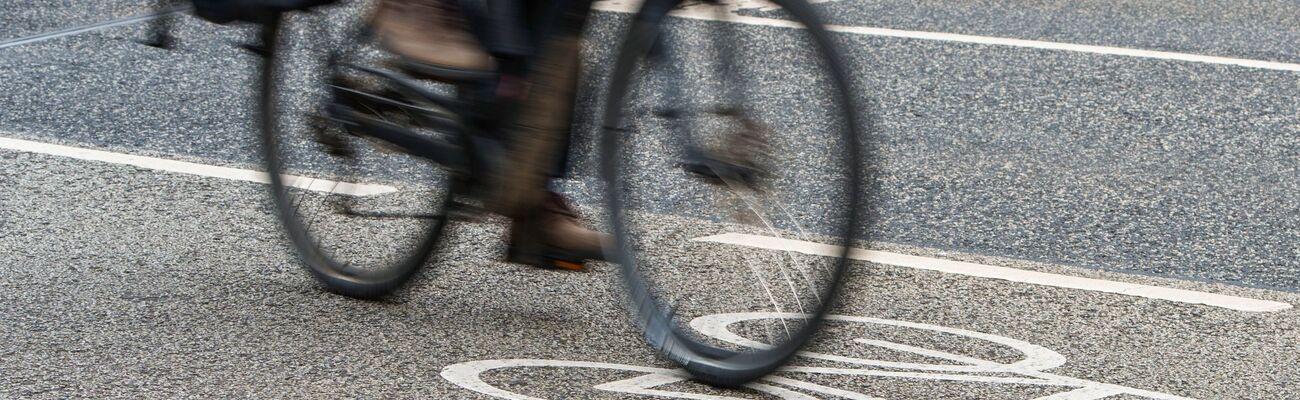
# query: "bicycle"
{"points": [[370, 119]]}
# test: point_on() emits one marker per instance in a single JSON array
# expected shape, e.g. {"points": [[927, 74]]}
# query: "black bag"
{"points": [[225, 11]]}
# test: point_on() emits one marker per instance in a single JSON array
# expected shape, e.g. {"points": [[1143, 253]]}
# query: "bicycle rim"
{"points": [[802, 186], [363, 225]]}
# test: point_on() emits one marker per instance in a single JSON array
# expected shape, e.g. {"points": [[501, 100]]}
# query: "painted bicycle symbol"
{"points": [[1029, 369]]}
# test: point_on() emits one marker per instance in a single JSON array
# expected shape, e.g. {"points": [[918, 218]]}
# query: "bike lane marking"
{"points": [[704, 13], [1002, 273], [645, 384], [1028, 371], [184, 167], [468, 376]]}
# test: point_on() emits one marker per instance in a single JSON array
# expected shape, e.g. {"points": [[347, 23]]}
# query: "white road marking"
{"points": [[706, 14], [1030, 371], [645, 385], [162, 164], [1036, 358], [1004, 273], [703, 12], [468, 375]]}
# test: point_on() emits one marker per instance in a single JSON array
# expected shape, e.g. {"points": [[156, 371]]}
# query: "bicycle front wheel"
{"points": [[733, 156]]}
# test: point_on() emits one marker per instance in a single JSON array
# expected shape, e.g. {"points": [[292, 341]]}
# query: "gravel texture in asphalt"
{"points": [[124, 282]]}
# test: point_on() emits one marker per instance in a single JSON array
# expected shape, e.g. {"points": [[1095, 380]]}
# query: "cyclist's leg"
{"points": [[547, 231], [543, 122], [572, 19]]}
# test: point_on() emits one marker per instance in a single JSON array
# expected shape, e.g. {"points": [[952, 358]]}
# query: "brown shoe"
{"points": [[553, 237], [430, 32]]}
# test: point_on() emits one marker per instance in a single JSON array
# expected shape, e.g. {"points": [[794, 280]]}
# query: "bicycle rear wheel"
{"points": [[733, 159], [362, 218]]}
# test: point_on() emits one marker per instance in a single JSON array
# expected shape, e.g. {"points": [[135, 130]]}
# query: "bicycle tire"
{"points": [[337, 276], [708, 363]]}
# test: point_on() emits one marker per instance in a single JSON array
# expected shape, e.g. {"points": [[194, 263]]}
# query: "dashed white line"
{"points": [[704, 13], [162, 164], [1003, 273], [1078, 48]]}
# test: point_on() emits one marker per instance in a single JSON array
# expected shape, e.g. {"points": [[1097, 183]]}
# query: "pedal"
{"points": [[740, 157], [718, 170]]}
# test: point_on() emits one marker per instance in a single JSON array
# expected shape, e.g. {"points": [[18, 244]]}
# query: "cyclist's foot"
{"points": [[553, 238], [740, 161], [430, 32], [719, 169]]}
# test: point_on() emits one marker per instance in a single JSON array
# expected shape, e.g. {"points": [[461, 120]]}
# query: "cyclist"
{"points": [[546, 231]]}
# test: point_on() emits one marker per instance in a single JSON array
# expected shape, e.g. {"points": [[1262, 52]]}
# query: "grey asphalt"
{"points": [[131, 283], [33, 17], [1169, 170], [1145, 166]]}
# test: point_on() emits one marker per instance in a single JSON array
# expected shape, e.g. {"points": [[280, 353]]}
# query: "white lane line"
{"points": [[162, 164], [1079, 48], [89, 28], [703, 13], [1004, 273]]}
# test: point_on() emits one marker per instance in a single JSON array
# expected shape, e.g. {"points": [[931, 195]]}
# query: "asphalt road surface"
{"points": [[1153, 149]]}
